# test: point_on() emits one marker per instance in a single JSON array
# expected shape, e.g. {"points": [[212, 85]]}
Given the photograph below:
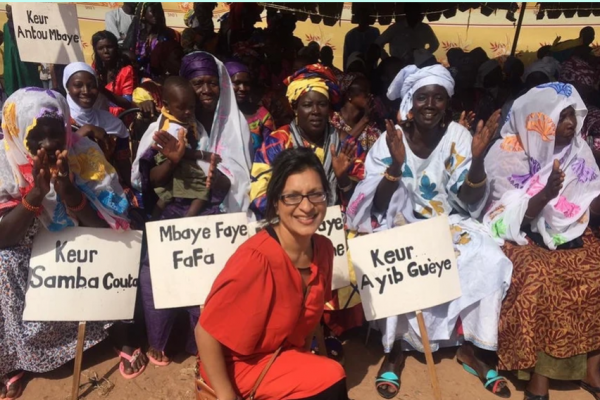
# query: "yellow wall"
{"points": [[467, 30]]}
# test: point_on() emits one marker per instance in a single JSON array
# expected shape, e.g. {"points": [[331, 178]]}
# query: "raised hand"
{"points": [[41, 175], [61, 177], [148, 108], [343, 160], [395, 143], [173, 149], [555, 181], [483, 135], [466, 119]]}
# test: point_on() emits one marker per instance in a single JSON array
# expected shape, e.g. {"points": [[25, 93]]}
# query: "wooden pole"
{"points": [[78, 359], [437, 393], [518, 32]]}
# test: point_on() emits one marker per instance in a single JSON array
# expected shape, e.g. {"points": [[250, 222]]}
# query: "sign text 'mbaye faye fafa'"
{"points": [[83, 274], [333, 228], [47, 32], [406, 269], [187, 254]]}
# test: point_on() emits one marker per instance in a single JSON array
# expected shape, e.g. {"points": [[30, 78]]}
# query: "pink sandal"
{"points": [[131, 358], [156, 362], [10, 382]]}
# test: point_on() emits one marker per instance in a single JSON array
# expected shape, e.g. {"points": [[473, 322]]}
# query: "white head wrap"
{"points": [[411, 79], [92, 116]]}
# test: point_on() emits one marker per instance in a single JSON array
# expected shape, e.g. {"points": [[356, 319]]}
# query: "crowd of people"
{"points": [[168, 125]]}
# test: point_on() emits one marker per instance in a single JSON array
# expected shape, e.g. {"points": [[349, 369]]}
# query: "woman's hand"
{"points": [[215, 159], [148, 108], [555, 181], [42, 177], [98, 135], [395, 143], [483, 135], [343, 160], [61, 178], [173, 149], [466, 119]]}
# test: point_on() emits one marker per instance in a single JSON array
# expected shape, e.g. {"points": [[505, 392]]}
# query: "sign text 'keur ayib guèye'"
{"points": [[47, 32], [83, 274], [406, 269], [187, 254]]}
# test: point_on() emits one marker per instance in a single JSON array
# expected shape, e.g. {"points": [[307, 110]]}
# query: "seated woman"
{"points": [[545, 189], [284, 275], [312, 91], [260, 122], [430, 166], [114, 70], [80, 82], [50, 179], [222, 136]]}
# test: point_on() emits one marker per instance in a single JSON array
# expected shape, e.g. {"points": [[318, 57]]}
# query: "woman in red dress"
{"points": [[271, 293]]}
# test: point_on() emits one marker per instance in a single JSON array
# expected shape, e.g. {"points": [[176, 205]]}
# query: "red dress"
{"points": [[122, 86], [256, 303]]}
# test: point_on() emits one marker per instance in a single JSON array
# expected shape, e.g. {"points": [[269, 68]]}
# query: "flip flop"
{"points": [[387, 379], [10, 382], [131, 359], [593, 390], [491, 381], [156, 362]]}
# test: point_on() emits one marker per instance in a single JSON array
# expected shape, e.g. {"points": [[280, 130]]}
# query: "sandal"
{"points": [[529, 396], [593, 390], [156, 362], [491, 381], [12, 381], [131, 358], [387, 379]]}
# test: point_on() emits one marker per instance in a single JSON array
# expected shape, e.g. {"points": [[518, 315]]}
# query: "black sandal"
{"points": [[529, 396], [593, 390]]}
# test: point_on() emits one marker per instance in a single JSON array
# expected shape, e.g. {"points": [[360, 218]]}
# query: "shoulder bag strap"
{"points": [[274, 356]]}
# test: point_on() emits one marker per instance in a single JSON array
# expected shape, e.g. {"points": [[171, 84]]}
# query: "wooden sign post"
{"points": [[89, 274], [407, 269]]}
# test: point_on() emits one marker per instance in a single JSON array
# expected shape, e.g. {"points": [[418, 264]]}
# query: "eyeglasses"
{"points": [[295, 199]]}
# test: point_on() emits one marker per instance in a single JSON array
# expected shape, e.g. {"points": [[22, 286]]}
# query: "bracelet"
{"points": [[475, 185], [36, 210], [391, 178], [81, 205], [529, 216]]}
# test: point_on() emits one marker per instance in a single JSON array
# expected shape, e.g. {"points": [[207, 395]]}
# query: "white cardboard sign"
{"points": [[405, 269], [187, 254], [47, 32], [83, 274], [333, 228]]}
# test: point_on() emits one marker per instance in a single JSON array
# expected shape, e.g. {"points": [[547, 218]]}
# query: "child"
{"points": [[189, 180]]}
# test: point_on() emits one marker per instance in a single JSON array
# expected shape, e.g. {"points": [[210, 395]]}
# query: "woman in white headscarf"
{"points": [[84, 98], [545, 195], [222, 134], [430, 166]]}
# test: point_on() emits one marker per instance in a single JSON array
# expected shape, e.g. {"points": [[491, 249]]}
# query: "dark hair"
{"points": [[289, 162], [101, 69], [173, 82]]}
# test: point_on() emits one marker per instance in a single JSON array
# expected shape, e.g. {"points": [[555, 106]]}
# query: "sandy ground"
{"points": [[175, 382]]}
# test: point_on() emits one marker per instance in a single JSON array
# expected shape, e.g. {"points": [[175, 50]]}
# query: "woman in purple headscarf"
{"points": [[259, 119], [222, 136]]}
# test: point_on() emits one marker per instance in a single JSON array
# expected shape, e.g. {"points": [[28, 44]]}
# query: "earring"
{"points": [[443, 124]]}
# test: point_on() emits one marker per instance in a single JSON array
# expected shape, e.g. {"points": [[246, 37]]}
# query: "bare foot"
{"points": [[157, 355], [138, 362], [467, 354], [538, 385], [13, 390]]}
